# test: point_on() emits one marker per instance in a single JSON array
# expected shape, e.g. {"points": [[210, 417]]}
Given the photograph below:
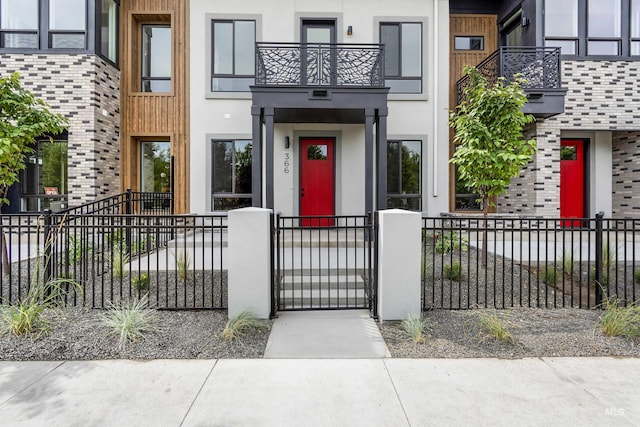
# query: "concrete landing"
{"points": [[340, 334]]}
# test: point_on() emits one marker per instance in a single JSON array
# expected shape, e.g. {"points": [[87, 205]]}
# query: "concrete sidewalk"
{"points": [[339, 392]]}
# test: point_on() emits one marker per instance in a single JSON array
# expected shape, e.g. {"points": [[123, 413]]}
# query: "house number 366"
{"points": [[286, 162]]}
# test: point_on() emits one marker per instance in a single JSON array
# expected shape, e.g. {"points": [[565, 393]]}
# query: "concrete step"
{"points": [[323, 282]]}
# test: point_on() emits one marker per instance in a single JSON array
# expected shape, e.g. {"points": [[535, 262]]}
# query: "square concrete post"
{"points": [[249, 254], [399, 245]]}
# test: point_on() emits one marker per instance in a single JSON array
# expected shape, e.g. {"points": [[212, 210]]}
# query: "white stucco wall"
{"points": [[411, 116]]}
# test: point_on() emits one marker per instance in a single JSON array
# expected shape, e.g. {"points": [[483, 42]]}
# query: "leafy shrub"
{"points": [[77, 249], [453, 271], [130, 320], [448, 242], [241, 324], [414, 327], [141, 282]]}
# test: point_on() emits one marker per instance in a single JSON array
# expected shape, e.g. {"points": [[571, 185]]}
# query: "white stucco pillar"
{"points": [[249, 254], [399, 236]]}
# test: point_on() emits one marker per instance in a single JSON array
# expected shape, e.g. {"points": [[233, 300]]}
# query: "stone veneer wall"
{"points": [[626, 174], [601, 95], [85, 89]]}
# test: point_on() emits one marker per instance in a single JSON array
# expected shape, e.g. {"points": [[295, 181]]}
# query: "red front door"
{"points": [[572, 181], [317, 180]]}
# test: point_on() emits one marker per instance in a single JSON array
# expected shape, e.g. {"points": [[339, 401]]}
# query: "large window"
{"points": [[19, 24], [155, 166], [402, 56], [156, 58], [109, 30], [604, 27], [67, 24], [561, 25], [404, 160], [233, 55], [593, 27], [43, 183], [231, 177]]}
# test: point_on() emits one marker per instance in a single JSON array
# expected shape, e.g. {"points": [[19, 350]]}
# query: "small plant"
{"points": [[617, 321], [496, 328], [145, 244], [130, 320], [141, 282], [118, 261], [183, 264], [448, 242], [240, 324], [636, 276], [25, 316], [453, 271], [77, 250], [549, 275], [567, 262], [414, 327], [608, 264]]}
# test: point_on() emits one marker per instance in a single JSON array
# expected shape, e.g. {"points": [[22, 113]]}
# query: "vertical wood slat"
{"points": [[466, 25], [145, 115]]}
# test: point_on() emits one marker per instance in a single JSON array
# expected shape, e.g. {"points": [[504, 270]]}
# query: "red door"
{"points": [[571, 181], [317, 180]]}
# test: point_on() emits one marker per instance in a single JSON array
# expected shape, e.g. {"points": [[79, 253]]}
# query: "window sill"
{"points": [[227, 95], [407, 97]]}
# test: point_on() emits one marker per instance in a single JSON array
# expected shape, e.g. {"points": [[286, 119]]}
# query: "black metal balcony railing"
{"points": [[304, 64], [539, 66]]}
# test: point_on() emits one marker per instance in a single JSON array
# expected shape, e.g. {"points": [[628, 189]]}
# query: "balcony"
{"points": [[539, 66], [313, 65]]}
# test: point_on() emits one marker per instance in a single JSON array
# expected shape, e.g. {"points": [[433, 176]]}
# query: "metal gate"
{"points": [[324, 263]]}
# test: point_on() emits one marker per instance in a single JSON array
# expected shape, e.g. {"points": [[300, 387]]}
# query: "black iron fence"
{"points": [[468, 262], [324, 262], [129, 202], [539, 66], [178, 260], [307, 64]]}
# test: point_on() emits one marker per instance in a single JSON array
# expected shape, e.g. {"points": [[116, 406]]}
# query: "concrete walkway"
{"points": [[338, 392], [341, 334]]}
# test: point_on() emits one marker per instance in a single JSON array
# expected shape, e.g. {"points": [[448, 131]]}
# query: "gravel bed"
{"points": [[537, 332], [77, 334]]}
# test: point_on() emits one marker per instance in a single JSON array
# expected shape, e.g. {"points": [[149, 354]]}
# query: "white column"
{"points": [[249, 252], [399, 245]]}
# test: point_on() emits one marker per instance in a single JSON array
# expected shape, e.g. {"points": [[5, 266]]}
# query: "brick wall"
{"points": [[85, 89], [601, 95], [626, 174]]}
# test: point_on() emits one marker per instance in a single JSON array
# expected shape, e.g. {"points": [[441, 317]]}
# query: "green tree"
{"points": [[491, 148], [23, 118]]}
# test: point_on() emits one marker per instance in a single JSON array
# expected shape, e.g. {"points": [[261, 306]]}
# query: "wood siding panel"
{"points": [[149, 115], [466, 25]]}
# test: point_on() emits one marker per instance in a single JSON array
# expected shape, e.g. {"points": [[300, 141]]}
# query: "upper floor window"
{"points": [[19, 24], [403, 56], [233, 55], [593, 27], [561, 25], [67, 24], [604, 27], [109, 30], [156, 58], [635, 27]]}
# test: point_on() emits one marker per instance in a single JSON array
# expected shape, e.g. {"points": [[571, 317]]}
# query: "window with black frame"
{"points": [[19, 24], [231, 174], [156, 58], [67, 24], [109, 16], [402, 56], [233, 55], [44, 181], [404, 165]]}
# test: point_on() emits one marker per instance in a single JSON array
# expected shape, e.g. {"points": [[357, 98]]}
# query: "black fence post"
{"points": [[598, 272], [128, 210], [48, 250], [275, 266]]}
